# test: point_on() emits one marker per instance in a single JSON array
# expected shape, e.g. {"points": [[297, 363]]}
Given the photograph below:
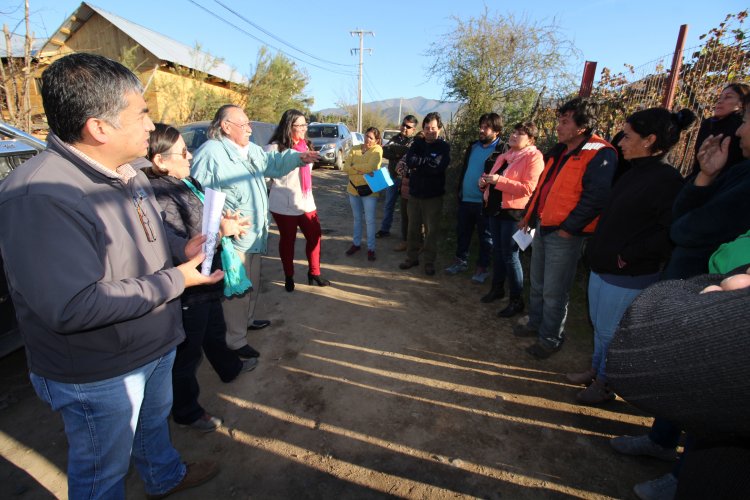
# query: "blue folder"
{"points": [[379, 179]]}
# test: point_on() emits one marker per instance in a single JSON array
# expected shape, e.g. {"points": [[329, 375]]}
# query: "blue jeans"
{"points": [[368, 204], [607, 304], [109, 420], [554, 260], [392, 194], [470, 217], [505, 256]]}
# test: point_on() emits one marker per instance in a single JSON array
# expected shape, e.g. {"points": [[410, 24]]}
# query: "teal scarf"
{"points": [[235, 279]]}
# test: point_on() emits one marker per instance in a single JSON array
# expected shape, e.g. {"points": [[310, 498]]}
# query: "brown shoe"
{"points": [[408, 264], [584, 378], [196, 474], [596, 393], [401, 247]]}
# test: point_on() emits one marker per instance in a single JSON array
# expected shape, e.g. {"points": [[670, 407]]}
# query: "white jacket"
{"points": [[285, 196]]}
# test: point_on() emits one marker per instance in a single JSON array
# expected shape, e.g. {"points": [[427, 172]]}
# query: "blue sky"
{"points": [[611, 32]]}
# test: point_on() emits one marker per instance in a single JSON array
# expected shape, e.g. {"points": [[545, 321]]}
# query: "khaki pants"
{"points": [[423, 212], [239, 312]]}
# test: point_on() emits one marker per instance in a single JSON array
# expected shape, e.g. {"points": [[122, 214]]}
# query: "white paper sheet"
{"points": [[523, 238], [213, 206]]}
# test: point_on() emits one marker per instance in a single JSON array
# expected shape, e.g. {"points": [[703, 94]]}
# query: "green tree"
{"points": [[498, 62], [276, 85]]}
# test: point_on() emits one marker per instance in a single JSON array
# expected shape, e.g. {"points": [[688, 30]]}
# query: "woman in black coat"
{"points": [[202, 315]]}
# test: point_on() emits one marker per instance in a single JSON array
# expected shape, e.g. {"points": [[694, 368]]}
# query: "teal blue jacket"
{"points": [[219, 166]]}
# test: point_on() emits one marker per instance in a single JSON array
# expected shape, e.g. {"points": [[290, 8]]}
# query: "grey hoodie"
{"points": [[94, 298]]}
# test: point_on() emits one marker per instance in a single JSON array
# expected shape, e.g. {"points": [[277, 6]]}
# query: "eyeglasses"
{"points": [[145, 222], [182, 153], [407, 127], [304, 125], [246, 125]]}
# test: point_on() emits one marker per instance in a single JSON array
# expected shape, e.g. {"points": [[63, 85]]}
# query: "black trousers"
{"points": [[205, 331]]}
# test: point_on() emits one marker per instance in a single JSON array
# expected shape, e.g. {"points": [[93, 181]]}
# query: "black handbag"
{"points": [[363, 190]]}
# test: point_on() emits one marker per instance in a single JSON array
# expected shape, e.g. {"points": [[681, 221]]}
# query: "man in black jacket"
{"points": [[393, 152], [425, 166]]}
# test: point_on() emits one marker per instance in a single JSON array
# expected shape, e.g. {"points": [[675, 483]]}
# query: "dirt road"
{"points": [[387, 384]]}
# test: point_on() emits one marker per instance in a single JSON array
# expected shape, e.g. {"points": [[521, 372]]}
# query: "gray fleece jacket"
{"points": [[94, 298]]}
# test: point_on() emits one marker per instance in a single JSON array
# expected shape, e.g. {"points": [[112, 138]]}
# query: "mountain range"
{"points": [[418, 106]]}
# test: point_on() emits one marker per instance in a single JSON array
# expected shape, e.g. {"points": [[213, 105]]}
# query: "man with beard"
{"points": [[478, 160]]}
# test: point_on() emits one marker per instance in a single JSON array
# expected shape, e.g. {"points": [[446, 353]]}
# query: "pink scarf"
{"points": [[305, 171]]}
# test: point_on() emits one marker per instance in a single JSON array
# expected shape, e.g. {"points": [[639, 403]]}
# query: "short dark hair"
{"points": [[376, 133], [410, 119], [664, 125], [160, 141], [82, 86], [493, 120], [283, 133], [432, 116], [529, 129], [214, 129], [583, 112]]}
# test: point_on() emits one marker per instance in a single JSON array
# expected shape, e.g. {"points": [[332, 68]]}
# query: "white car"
{"points": [[357, 139]]}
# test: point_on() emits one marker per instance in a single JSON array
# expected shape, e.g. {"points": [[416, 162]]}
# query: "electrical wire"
{"points": [[259, 28], [241, 30]]}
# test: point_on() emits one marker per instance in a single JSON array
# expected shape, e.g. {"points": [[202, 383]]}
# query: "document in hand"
{"points": [[213, 206], [523, 238], [379, 179]]}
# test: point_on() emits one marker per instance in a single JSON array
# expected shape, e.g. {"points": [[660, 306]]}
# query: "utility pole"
{"points": [[400, 100], [361, 49]]}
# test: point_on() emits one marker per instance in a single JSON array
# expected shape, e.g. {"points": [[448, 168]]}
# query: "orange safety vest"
{"points": [[565, 192]]}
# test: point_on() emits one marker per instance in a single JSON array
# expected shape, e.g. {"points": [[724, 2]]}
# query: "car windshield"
{"points": [[329, 131]]}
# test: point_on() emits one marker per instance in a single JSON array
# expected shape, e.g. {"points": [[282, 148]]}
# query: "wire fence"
{"points": [[723, 58]]}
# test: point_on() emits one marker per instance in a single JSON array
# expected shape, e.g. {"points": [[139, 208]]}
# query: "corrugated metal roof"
{"points": [[161, 46]]}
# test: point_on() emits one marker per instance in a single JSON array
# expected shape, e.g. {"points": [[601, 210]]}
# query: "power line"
{"points": [[241, 30], [259, 28]]}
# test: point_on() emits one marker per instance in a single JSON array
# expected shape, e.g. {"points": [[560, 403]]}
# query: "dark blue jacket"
{"points": [[705, 217], [426, 164]]}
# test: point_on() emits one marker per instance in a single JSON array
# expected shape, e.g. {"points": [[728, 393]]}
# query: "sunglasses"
{"points": [[182, 153], [407, 127]]}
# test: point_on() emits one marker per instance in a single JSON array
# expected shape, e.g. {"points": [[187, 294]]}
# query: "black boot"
{"points": [[495, 293], [289, 284], [317, 279], [515, 306]]}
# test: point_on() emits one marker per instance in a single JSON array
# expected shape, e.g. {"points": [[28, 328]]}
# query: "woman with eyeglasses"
{"points": [[181, 199], [291, 201], [362, 161], [726, 119]]}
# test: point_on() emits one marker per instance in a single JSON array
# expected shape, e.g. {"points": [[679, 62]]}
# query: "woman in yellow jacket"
{"points": [[362, 161]]}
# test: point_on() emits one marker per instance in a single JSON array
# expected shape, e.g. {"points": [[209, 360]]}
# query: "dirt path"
{"points": [[389, 383]]}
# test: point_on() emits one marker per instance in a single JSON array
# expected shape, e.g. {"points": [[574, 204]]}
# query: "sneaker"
{"points": [[539, 351], [196, 473], [401, 247], [480, 275], [642, 445], [522, 330], [249, 365], [661, 488], [353, 249], [458, 266], [206, 423], [429, 269], [596, 393], [371, 255], [382, 234]]}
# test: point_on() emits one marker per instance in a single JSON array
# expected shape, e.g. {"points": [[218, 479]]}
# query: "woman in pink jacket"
{"points": [[507, 188]]}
